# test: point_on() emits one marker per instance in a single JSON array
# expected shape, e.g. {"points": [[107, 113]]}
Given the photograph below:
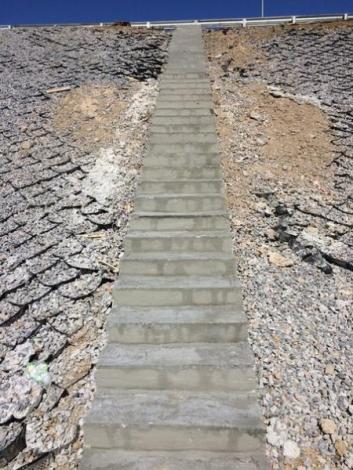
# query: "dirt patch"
{"points": [[290, 141], [88, 112], [234, 47], [241, 48]]}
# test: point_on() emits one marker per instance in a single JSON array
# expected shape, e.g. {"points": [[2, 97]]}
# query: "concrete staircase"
{"points": [[176, 385]]}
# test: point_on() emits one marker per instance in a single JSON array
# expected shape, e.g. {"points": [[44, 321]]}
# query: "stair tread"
{"points": [[179, 196], [177, 215], [179, 234], [165, 356], [179, 282], [176, 408], [184, 314], [112, 459], [175, 256]]}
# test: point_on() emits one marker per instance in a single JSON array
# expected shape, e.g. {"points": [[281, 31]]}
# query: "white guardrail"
{"points": [[242, 22]]}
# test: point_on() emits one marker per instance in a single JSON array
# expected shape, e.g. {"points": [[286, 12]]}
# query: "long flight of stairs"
{"points": [[176, 384]]}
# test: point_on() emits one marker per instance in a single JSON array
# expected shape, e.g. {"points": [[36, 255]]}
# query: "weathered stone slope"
{"points": [[60, 231]]}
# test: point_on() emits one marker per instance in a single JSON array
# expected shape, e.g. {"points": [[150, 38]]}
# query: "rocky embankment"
{"points": [[75, 104], [284, 109]]}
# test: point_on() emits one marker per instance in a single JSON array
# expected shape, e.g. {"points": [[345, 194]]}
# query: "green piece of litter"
{"points": [[38, 371]]}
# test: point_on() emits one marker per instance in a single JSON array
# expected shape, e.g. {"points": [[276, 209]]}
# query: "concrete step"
{"points": [[183, 366], [184, 88], [189, 324], [113, 459], [178, 264], [183, 120], [166, 97], [182, 148], [180, 202], [178, 241], [177, 104], [181, 187], [178, 69], [183, 138], [172, 129], [166, 222], [160, 420], [185, 93], [175, 112], [181, 160], [193, 173], [172, 291], [169, 76], [178, 83]]}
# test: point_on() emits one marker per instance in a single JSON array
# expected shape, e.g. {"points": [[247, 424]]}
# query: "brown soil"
{"points": [[287, 141], [240, 45], [89, 112]]}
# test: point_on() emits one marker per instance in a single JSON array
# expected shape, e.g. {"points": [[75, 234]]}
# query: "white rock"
{"points": [[291, 450], [276, 433]]}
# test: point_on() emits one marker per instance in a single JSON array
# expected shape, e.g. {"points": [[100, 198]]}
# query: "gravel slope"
{"points": [[69, 164], [289, 186]]}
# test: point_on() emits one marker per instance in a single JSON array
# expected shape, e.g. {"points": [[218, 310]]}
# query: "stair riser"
{"points": [[173, 438], [174, 333], [194, 105], [182, 129], [176, 205], [184, 267], [185, 97], [176, 296], [217, 223], [174, 378], [97, 459], [184, 77], [183, 120], [180, 161], [174, 112], [183, 138], [176, 149], [181, 173], [178, 245], [183, 83], [194, 187], [185, 93]]}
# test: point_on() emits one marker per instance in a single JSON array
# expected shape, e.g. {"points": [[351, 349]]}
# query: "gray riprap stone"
{"points": [[176, 386]]}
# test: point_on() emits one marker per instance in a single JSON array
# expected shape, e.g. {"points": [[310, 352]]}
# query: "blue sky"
{"points": [[55, 11]]}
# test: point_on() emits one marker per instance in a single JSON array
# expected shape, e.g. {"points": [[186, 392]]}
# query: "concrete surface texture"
{"points": [[175, 384]]}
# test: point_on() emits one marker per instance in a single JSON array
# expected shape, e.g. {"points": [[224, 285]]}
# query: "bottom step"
{"points": [[175, 420], [112, 459]]}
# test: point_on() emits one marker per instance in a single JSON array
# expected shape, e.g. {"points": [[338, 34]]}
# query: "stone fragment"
{"points": [[328, 426], [276, 433], [71, 366], [330, 369], [18, 358], [26, 145], [341, 448], [12, 441], [291, 450], [19, 396], [279, 260]]}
